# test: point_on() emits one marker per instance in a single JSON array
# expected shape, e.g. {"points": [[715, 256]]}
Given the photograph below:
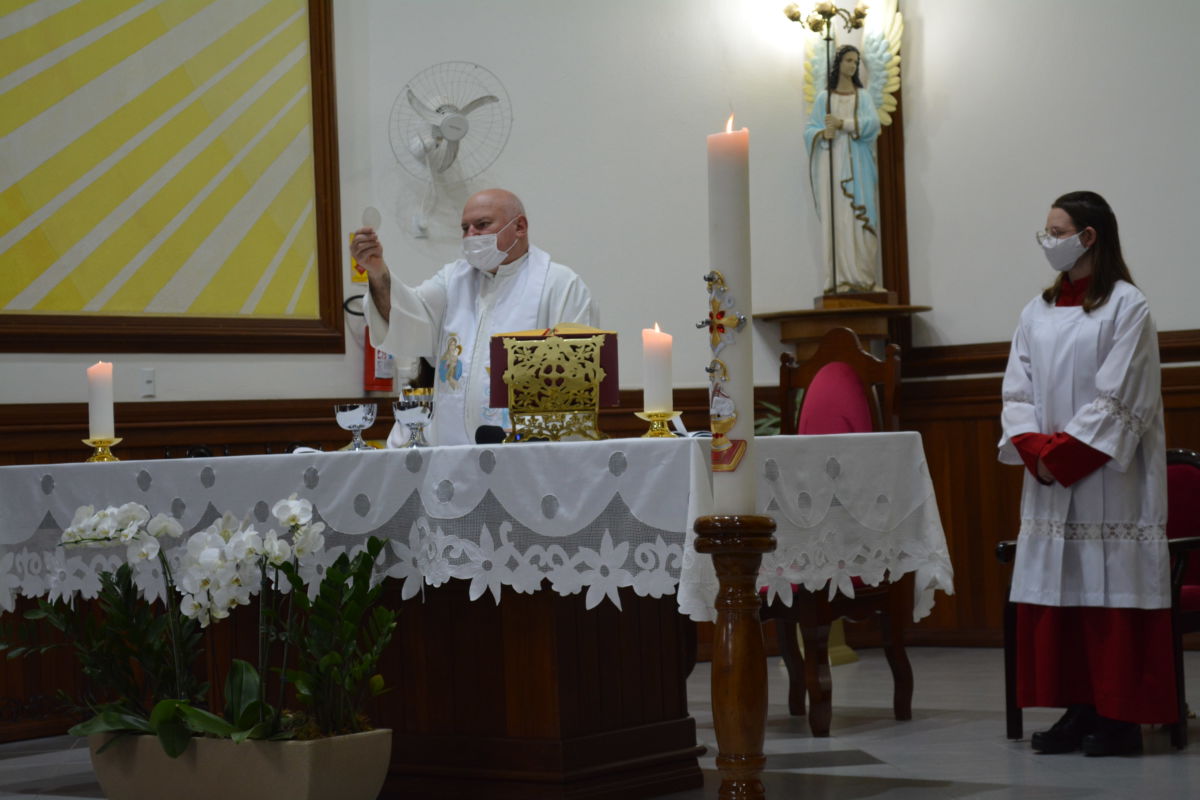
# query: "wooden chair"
{"points": [[842, 389], [1183, 541]]}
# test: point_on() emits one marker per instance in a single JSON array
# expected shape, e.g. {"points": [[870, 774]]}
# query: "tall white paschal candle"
{"points": [[656, 370], [729, 253], [100, 401]]}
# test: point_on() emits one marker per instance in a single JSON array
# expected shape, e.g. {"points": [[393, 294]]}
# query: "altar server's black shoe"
{"points": [[1113, 737], [1068, 733]]}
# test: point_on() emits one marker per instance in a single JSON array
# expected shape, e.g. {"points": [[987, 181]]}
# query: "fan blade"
{"points": [[425, 112], [479, 102], [448, 155]]}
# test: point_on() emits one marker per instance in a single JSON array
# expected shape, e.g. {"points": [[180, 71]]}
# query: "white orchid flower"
{"points": [[131, 514], [82, 514], [193, 607], [211, 557], [200, 541], [105, 526], [195, 543], [277, 550], [226, 599], [226, 574], [71, 535], [141, 548], [292, 511], [161, 525], [248, 573], [239, 547], [129, 533], [309, 542], [227, 526], [192, 581], [241, 594], [253, 543]]}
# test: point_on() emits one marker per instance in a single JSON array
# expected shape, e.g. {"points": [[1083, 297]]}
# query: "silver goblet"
{"points": [[414, 410], [355, 417]]}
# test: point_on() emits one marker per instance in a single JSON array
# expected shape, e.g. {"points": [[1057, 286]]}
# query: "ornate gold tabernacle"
{"points": [[554, 385]]}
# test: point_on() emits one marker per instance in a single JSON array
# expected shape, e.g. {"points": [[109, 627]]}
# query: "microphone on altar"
{"points": [[489, 434]]}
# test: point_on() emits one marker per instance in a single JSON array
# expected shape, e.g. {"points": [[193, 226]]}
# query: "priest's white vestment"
{"points": [[1095, 376], [450, 318]]}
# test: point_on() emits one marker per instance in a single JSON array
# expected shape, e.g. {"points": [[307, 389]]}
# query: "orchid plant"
{"points": [[324, 639]]}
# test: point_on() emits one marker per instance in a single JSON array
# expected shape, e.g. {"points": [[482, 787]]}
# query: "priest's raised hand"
{"points": [[367, 250]]}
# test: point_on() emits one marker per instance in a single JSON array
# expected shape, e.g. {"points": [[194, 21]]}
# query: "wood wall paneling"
{"points": [[1174, 347]]}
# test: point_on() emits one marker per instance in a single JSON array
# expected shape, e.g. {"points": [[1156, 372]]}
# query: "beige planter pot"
{"points": [[351, 767]]}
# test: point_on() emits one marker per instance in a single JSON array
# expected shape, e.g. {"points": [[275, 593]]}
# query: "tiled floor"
{"points": [[954, 747]]}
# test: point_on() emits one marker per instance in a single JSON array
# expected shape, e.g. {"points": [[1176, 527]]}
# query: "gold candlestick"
{"points": [[100, 451], [658, 423]]}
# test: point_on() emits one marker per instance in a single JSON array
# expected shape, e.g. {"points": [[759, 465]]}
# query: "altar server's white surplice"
{"points": [[1095, 376], [450, 318]]}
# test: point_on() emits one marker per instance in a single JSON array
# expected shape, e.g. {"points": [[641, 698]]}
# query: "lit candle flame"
{"points": [[656, 328], [729, 124]]}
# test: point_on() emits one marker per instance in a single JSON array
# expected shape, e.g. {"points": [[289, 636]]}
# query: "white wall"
{"points": [[1007, 104]]}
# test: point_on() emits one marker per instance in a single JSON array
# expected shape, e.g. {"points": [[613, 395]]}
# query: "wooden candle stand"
{"points": [[739, 665]]}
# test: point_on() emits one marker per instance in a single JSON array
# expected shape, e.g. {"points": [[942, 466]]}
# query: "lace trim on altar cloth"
{"points": [[1017, 397], [1094, 531], [830, 565], [1110, 405], [489, 548]]}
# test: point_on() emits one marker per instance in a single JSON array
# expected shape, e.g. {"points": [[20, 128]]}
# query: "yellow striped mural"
{"points": [[156, 157]]}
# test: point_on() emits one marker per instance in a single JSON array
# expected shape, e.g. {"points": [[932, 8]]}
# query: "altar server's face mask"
{"points": [[1061, 253], [481, 252]]}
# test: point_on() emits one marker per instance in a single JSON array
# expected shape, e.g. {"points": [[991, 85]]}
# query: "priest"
{"points": [[501, 283]]}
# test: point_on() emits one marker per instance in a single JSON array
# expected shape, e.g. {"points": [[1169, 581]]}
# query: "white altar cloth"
{"points": [[588, 515], [580, 516], [858, 505]]}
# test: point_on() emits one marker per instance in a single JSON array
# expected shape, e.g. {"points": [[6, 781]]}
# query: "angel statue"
{"points": [[844, 121]]}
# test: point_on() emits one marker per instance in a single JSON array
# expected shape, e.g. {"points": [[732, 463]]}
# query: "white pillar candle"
{"points": [[100, 401], [656, 370], [729, 253]]}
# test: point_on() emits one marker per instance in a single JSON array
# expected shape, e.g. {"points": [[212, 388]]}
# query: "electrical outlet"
{"points": [[148, 387]]}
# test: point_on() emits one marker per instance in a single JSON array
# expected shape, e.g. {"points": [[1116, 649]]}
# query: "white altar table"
{"points": [[579, 517]]}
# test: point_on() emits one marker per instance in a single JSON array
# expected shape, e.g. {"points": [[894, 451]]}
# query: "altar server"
{"points": [[1083, 412], [501, 283]]}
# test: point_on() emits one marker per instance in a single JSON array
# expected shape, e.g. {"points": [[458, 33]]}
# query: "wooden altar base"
{"points": [[538, 697]]}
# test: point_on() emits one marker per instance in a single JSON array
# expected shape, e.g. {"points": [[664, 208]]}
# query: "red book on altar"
{"points": [[610, 390]]}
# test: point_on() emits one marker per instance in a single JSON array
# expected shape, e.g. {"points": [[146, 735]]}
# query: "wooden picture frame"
{"points": [[73, 333]]}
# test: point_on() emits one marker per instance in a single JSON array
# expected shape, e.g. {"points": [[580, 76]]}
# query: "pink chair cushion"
{"points": [[835, 403], [1183, 511]]}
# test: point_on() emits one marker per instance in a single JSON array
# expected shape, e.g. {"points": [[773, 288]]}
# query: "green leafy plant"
{"points": [[130, 651], [339, 637]]}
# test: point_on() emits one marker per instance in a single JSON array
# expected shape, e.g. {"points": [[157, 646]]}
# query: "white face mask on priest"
{"points": [[489, 240]]}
